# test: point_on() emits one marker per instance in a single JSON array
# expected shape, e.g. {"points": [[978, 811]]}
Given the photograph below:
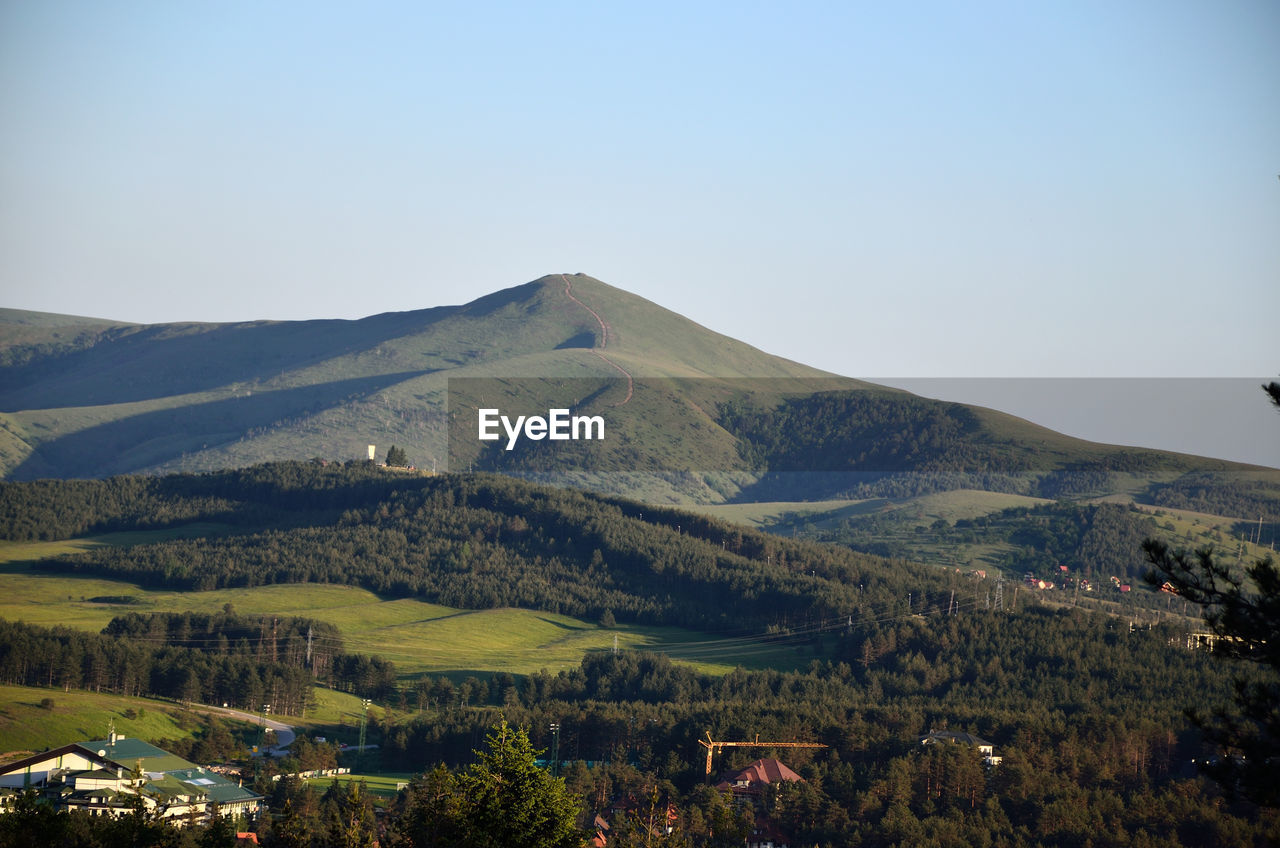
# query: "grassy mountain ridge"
{"points": [[203, 396], [704, 417]]}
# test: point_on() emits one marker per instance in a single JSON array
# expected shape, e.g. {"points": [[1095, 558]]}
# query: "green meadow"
{"points": [[919, 511], [419, 637], [381, 786], [28, 725], [34, 718]]}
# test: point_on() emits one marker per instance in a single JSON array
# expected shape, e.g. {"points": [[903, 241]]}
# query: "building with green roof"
{"points": [[109, 776]]}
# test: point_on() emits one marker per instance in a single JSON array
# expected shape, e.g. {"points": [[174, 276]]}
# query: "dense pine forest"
{"points": [[1085, 710], [128, 659], [1092, 540], [471, 541]]}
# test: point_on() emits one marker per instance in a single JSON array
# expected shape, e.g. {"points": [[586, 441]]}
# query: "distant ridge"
{"points": [[84, 397]]}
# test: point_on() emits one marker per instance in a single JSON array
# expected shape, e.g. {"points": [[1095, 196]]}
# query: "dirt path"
{"points": [[631, 386], [604, 340], [604, 328]]}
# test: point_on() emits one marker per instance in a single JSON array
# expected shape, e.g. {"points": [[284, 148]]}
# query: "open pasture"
{"points": [[419, 637]]}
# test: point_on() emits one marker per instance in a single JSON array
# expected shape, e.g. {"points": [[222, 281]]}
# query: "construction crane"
{"points": [[711, 745]]}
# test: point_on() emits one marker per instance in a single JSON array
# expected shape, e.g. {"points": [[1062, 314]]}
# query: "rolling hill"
{"points": [[693, 415], [909, 621], [88, 398]]}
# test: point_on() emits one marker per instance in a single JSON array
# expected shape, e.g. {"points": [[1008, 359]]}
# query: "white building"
{"points": [[985, 748], [106, 777]]}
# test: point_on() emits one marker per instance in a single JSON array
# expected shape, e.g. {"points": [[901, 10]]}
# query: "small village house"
{"points": [[985, 748]]}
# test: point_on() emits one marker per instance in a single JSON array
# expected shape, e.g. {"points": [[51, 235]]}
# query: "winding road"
{"points": [[284, 733]]}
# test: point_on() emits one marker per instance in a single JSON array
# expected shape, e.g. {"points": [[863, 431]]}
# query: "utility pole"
{"points": [[555, 748], [364, 722], [262, 739]]}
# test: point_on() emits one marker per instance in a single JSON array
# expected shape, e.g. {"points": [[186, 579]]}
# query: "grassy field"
{"points": [[384, 785], [923, 510], [332, 709], [74, 716], [17, 554], [26, 724], [421, 638], [766, 514]]}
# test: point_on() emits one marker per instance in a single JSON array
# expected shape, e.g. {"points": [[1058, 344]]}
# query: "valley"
{"points": [[753, 549]]}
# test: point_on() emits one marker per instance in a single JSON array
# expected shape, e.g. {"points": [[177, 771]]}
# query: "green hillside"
{"points": [[419, 637], [465, 541], [35, 719], [89, 398], [693, 416], [474, 583], [457, 573]]}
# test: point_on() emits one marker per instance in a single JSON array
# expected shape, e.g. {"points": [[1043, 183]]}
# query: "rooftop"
{"points": [[127, 752], [762, 772], [166, 775], [951, 736]]}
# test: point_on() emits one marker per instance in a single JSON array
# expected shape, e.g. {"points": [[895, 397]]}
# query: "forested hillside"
{"points": [[471, 541], [127, 661], [1084, 712], [485, 541], [1085, 708], [870, 443]]}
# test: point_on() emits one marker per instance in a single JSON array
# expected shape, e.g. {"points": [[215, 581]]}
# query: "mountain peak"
{"points": [[202, 396], [83, 398]]}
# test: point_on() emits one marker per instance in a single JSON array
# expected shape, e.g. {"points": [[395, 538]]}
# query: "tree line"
{"points": [[1086, 714], [289, 640], [71, 659], [483, 541]]}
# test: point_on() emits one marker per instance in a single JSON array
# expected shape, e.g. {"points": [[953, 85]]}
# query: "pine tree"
{"points": [[350, 815], [509, 800], [429, 814], [1244, 612], [218, 832]]}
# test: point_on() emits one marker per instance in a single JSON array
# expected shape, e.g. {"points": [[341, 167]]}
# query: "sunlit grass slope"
{"points": [[421, 638], [116, 398], [26, 725]]}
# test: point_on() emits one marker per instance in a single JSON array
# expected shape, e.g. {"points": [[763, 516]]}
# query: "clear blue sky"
{"points": [[929, 189]]}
